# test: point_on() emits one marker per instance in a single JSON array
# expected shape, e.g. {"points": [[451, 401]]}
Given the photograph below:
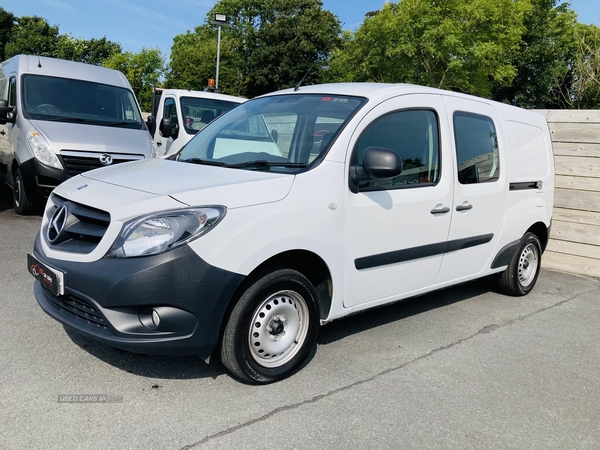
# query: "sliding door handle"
{"points": [[464, 207], [440, 210]]}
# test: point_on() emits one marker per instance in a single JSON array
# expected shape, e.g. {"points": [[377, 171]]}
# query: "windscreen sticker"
{"points": [[335, 99]]}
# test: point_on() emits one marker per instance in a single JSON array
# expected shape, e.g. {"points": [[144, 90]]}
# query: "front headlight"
{"points": [[150, 235], [42, 150]]}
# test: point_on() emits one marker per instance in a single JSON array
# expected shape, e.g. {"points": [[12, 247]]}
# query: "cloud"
{"points": [[59, 5], [167, 19]]}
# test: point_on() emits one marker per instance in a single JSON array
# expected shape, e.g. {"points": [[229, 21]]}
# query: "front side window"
{"points": [[274, 133], [413, 135], [77, 101], [170, 109], [199, 112], [476, 148], [12, 92]]}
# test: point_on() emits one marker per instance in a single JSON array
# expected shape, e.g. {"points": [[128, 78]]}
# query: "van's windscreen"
{"points": [[77, 101], [283, 133]]}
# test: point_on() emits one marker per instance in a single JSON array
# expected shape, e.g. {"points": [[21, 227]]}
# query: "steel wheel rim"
{"points": [[278, 329], [528, 264]]}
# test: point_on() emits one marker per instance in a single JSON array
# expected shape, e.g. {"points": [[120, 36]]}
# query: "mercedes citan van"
{"points": [[292, 210]]}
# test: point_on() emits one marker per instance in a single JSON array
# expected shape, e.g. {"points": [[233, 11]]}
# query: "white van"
{"points": [[247, 243], [60, 118], [182, 113]]}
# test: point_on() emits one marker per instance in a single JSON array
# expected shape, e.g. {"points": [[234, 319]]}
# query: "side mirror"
{"points": [[379, 163], [151, 124], [169, 128], [7, 113]]}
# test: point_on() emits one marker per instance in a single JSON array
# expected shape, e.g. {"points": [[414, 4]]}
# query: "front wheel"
{"points": [[523, 270], [272, 328], [22, 204]]}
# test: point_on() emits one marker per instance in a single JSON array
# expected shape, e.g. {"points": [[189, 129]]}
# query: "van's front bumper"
{"points": [[113, 300], [39, 179]]}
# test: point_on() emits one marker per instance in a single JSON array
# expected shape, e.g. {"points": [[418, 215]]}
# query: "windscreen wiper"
{"points": [[207, 162], [265, 163]]}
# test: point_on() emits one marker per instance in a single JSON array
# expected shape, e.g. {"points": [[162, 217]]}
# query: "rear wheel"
{"points": [[22, 204], [523, 270], [271, 329]]}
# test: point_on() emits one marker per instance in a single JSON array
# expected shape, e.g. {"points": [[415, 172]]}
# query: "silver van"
{"points": [[61, 118]]}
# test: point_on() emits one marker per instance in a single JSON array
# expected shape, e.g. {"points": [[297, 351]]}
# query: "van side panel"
{"points": [[531, 183]]}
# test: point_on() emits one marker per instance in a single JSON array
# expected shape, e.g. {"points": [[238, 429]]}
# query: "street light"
{"points": [[220, 21]]}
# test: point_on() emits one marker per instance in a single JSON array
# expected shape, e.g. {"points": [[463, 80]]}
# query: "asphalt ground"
{"points": [[460, 368]]}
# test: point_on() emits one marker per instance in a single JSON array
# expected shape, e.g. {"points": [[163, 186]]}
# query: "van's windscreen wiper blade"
{"points": [[265, 163], [84, 120], [208, 162]]}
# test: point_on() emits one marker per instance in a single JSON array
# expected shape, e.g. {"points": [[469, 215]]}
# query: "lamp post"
{"points": [[220, 20]]}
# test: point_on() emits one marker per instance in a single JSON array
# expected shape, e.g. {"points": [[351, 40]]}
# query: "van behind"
{"points": [[61, 118]]}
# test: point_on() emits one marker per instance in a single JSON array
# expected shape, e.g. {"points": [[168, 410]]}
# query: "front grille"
{"points": [[84, 227], [78, 309], [78, 162]]}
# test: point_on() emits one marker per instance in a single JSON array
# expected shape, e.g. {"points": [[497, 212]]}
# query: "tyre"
{"points": [[22, 204], [523, 270], [271, 329]]}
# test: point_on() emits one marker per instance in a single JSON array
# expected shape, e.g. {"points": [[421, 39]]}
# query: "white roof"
{"points": [[178, 93]]}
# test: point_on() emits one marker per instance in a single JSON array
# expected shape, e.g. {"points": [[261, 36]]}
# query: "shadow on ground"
{"points": [[192, 367]]}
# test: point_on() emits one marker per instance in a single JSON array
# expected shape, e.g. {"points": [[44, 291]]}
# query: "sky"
{"points": [[154, 23]]}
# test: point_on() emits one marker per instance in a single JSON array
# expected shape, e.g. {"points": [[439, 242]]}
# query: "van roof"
{"points": [[178, 93], [31, 64], [383, 91]]}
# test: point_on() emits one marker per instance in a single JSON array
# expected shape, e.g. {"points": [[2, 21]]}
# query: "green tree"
{"points": [[583, 89], [453, 44], [193, 62], [89, 51], [544, 58], [7, 22], [142, 69], [270, 45], [32, 35]]}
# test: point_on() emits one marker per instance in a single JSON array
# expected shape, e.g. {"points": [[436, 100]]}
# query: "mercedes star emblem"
{"points": [[57, 224]]}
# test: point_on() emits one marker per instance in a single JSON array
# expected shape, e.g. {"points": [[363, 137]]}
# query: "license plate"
{"points": [[51, 279]]}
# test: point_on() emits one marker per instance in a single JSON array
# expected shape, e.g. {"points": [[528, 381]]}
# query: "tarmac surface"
{"points": [[461, 368]]}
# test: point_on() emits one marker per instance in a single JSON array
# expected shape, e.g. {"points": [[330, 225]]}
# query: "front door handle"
{"points": [[464, 207], [440, 210]]}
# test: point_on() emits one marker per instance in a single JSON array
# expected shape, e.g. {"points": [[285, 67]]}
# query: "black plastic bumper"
{"points": [[40, 180], [112, 300]]}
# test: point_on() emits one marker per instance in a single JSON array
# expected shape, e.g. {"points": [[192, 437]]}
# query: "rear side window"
{"points": [[476, 148], [413, 135]]}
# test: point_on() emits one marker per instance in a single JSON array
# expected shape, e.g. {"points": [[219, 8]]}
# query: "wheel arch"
{"points": [[542, 232], [308, 263]]}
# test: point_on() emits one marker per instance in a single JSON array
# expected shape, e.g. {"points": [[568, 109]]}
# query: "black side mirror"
{"points": [[151, 124], [169, 127], [7, 113], [379, 163]]}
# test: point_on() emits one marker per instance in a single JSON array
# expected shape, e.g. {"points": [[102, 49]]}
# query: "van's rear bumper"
{"points": [[112, 301]]}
